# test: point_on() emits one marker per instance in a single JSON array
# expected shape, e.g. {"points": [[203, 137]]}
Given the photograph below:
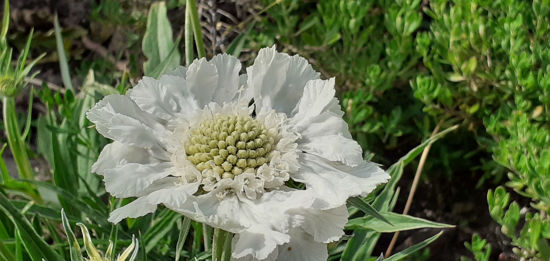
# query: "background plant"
{"points": [[62, 136]]}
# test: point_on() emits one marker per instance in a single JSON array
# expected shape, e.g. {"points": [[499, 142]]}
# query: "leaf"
{"points": [[33, 243], [160, 228], [412, 249], [158, 40], [62, 177], [74, 247], [236, 46], [63, 64], [166, 64], [400, 222], [367, 209], [184, 227]]}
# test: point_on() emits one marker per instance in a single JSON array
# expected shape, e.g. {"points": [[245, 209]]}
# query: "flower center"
{"points": [[229, 145]]}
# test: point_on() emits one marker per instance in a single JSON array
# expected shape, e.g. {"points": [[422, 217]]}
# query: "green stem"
{"points": [[219, 248], [206, 236], [15, 141], [191, 5], [226, 255]]}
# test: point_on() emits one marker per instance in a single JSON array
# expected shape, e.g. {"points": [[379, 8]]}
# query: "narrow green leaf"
{"points": [[367, 209], [63, 64], [400, 222], [160, 228], [74, 247], [188, 38], [62, 177], [235, 47], [167, 63], [5, 175], [184, 225], [33, 243], [5, 22], [5, 253], [412, 249], [191, 5], [29, 115]]}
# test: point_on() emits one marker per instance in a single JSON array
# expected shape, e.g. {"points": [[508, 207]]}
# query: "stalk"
{"points": [[221, 245]]}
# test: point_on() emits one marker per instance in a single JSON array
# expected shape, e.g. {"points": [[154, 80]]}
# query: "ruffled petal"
{"points": [[277, 80], [333, 183], [130, 180], [258, 242], [327, 135], [164, 98], [334, 148], [215, 80], [137, 208], [317, 98], [162, 192], [228, 68], [117, 117], [324, 225], [117, 154], [327, 123], [302, 247]]}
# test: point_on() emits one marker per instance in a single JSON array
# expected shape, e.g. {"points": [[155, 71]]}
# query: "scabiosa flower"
{"points": [[228, 150]]}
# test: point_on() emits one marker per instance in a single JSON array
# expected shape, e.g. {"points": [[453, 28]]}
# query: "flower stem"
{"points": [[221, 245], [226, 255], [15, 140]]}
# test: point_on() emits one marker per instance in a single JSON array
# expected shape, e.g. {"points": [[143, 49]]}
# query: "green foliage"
{"points": [[532, 238], [369, 47], [478, 247]]}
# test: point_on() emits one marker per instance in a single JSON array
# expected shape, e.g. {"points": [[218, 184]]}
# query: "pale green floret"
{"points": [[229, 145]]}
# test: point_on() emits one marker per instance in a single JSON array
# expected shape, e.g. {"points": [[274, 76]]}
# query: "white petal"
{"points": [[334, 148], [130, 180], [271, 257], [226, 214], [277, 80], [216, 80], [228, 68], [317, 96], [333, 183], [148, 204], [302, 247], [258, 242], [164, 98], [137, 208], [324, 225], [327, 123], [117, 117], [327, 135], [116, 154]]}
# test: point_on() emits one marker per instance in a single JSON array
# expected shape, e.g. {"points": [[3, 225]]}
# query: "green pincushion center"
{"points": [[229, 145]]}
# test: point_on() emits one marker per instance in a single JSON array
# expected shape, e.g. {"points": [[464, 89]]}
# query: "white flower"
{"points": [[221, 148]]}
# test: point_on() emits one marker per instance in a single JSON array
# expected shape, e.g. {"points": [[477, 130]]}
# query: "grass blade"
{"points": [[33, 243], [367, 209], [412, 249], [74, 247], [184, 225], [63, 64], [400, 222]]}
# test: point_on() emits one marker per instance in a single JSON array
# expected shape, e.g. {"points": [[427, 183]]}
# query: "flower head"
{"points": [[222, 148]]}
